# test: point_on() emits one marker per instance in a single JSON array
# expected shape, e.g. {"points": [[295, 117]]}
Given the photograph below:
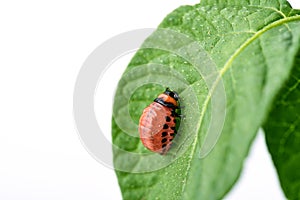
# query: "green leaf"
{"points": [[273, 4], [227, 60], [282, 130]]}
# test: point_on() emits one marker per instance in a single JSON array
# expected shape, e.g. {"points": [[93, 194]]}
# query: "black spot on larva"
{"points": [[170, 140], [173, 128], [174, 120], [164, 134], [164, 140], [168, 119], [164, 145], [172, 134], [166, 126]]}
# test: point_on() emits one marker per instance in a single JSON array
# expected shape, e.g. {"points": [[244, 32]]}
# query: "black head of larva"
{"points": [[169, 98], [172, 94]]}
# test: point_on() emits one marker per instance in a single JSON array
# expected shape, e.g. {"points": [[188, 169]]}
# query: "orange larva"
{"points": [[157, 125]]}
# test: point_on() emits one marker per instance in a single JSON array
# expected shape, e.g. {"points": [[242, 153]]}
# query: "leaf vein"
{"points": [[255, 36], [227, 66]]}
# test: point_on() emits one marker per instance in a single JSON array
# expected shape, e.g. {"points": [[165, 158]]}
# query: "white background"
{"points": [[42, 48]]}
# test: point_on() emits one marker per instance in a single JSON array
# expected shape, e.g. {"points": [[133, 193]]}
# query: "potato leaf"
{"points": [[227, 59]]}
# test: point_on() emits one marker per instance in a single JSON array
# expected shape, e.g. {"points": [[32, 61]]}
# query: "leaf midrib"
{"points": [[227, 66]]}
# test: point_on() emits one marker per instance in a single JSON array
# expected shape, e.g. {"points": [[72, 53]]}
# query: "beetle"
{"points": [[157, 124]]}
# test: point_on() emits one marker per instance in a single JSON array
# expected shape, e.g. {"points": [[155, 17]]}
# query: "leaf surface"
{"points": [[225, 59], [282, 130]]}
